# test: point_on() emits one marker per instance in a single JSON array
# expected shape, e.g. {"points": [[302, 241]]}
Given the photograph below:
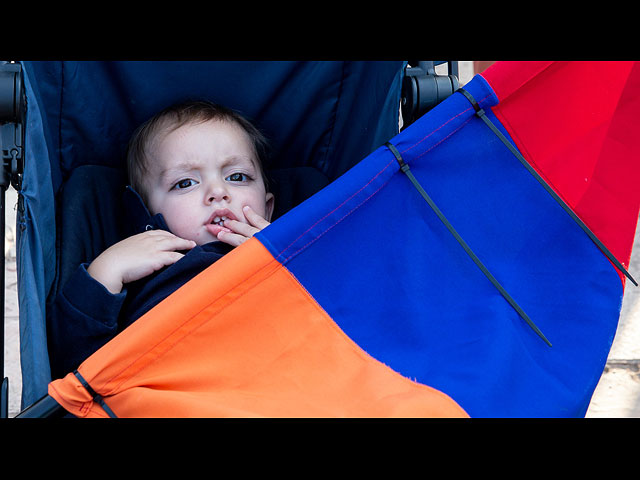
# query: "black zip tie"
{"points": [[405, 169], [94, 395], [481, 113]]}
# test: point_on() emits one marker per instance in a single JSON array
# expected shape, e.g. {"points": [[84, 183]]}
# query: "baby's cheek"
{"points": [[183, 225]]}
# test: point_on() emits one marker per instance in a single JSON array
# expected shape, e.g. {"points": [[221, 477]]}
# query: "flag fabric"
{"points": [[437, 277]]}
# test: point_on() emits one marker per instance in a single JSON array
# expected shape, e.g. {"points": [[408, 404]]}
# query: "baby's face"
{"points": [[201, 173]]}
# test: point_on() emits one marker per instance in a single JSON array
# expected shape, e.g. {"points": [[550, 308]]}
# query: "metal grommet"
{"points": [[148, 227]]}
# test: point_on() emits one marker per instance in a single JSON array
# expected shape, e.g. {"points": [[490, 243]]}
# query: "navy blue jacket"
{"points": [[85, 315]]}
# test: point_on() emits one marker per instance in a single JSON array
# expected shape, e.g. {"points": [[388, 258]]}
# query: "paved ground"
{"points": [[11, 330], [617, 394]]}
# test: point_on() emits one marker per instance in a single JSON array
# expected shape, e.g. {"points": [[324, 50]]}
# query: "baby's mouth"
{"points": [[218, 220], [219, 216]]}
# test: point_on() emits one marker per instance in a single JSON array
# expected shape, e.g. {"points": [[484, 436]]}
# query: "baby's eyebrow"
{"points": [[238, 160], [178, 168]]}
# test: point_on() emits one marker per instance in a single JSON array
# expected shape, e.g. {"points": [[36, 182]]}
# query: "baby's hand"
{"points": [[241, 232], [136, 257]]}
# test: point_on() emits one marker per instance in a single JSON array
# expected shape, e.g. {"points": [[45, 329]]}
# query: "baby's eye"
{"points": [[238, 177], [185, 183]]}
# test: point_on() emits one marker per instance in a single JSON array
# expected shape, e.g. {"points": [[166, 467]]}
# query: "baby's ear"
{"points": [[269, 203]]}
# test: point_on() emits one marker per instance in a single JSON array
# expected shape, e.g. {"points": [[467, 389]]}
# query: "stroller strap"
{"points": [[96, 397], [404, 167], [481, 114]]}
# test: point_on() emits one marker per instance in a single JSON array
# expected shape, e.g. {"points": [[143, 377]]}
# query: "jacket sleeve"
{"points": [[83, 317]]}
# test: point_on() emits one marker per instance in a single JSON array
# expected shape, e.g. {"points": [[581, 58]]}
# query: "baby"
{"points": [[197, 190], [198, 165]]}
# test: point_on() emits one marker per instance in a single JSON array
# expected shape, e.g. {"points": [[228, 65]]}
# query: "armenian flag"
{"points": [[472, 266]]}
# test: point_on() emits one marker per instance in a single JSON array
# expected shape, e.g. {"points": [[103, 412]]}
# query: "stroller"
{"points": [[448, 322]]}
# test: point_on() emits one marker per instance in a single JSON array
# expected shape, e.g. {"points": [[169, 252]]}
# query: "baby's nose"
{"points": [[217, 192]]}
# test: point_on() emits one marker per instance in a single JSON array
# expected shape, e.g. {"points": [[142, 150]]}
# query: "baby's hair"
{"points": [[176, 116]]}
